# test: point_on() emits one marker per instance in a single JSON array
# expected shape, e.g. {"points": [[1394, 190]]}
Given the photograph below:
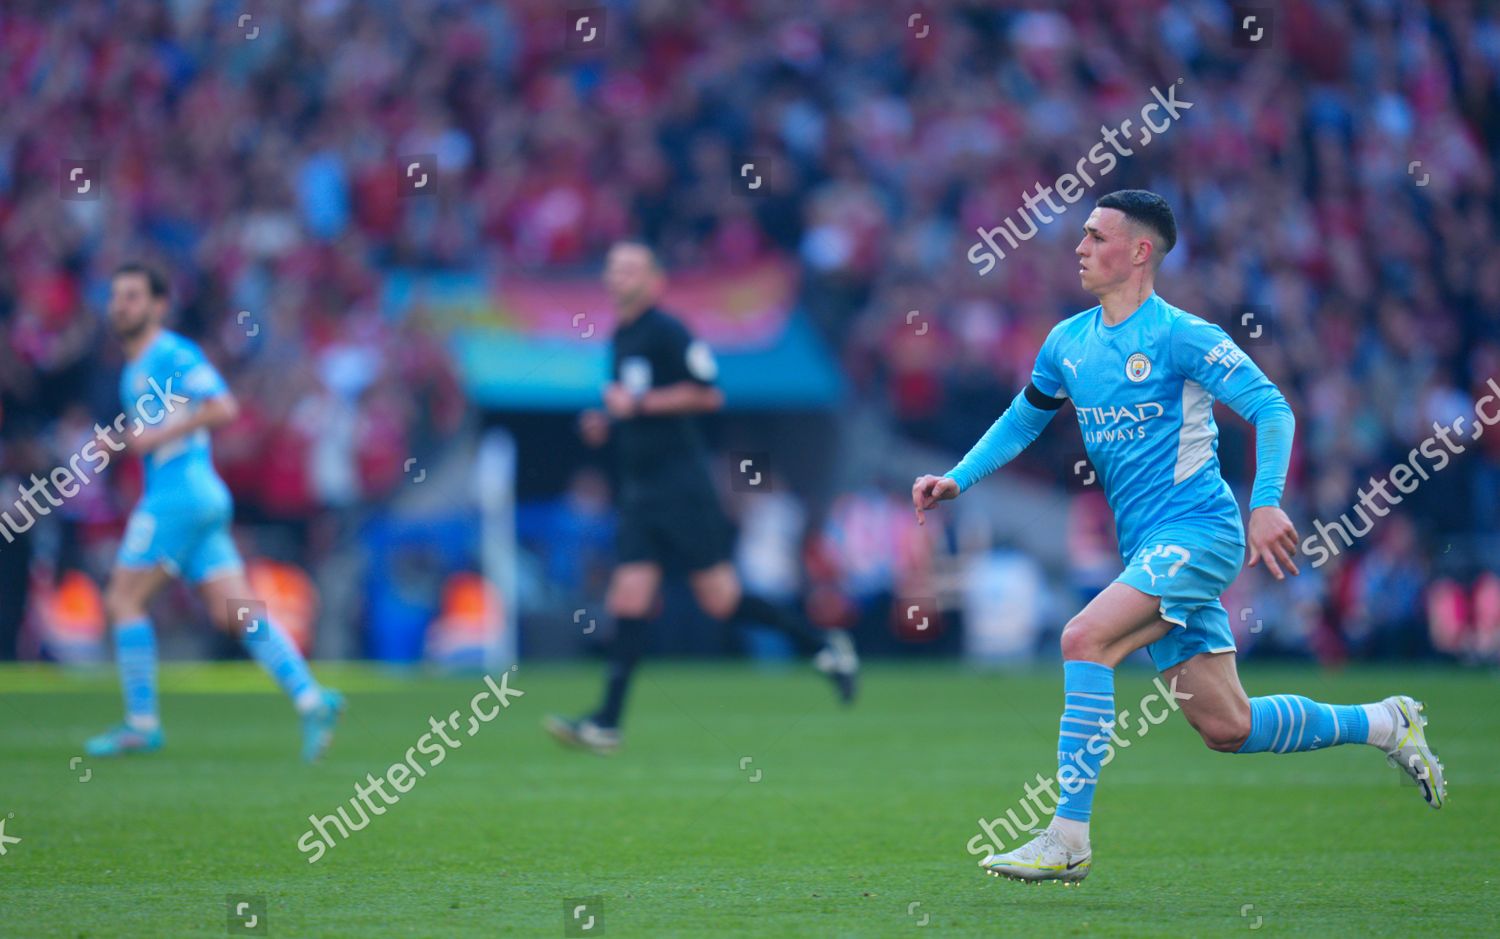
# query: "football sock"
{"points": [[1088, 716], [281, 659], [629, 644], [753, 609], [1074, 834], [135, 653], [1288, 723], [1382, 725]]}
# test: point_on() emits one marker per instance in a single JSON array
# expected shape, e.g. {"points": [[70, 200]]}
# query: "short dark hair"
{"points": [[154, 278], [1145, 208]]}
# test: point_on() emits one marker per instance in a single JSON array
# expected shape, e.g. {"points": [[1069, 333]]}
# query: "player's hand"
{"points": [[928, 491], [619, 402], [1273, 539], [593, 427]]}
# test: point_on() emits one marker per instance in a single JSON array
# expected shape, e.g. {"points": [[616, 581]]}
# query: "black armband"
{"points": [[1036, 399]]}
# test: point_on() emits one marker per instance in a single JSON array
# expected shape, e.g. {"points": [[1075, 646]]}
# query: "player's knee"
{"points": [[225, 623], [1079, 640], [1225, 735], [122, 605], [720, 604], [628, 603]]}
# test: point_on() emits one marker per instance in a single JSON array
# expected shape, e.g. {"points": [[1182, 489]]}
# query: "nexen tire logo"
{"points": [[1226, 353]]}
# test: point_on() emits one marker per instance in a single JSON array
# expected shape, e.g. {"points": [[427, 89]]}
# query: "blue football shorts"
{"points": [[1188, 570], [191, 542]]}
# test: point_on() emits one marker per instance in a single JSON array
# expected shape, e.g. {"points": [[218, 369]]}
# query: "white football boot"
{"points": [[838, 660], [1044, 857], [583, 733], [1411, 753]]}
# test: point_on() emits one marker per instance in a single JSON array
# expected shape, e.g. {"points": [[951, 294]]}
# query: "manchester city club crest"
{"points": [[1137, 367]]}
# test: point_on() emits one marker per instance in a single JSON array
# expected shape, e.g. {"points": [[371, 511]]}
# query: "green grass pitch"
{"points": [[746, 802]]}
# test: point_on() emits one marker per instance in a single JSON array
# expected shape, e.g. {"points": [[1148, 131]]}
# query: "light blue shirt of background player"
{"points": [[169, 382]]}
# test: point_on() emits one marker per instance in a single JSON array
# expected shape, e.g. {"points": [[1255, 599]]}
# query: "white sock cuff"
{"points": [[309, 700], [1382, 724], [1075, 834]]}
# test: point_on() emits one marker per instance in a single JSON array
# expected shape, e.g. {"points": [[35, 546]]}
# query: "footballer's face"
{"points": [[132, 308], [632, 277], [1107, 250]]}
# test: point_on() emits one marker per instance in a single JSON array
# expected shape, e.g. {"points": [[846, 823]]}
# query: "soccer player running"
{"points": [[1143, 376], [669, 513], [173, 397]]}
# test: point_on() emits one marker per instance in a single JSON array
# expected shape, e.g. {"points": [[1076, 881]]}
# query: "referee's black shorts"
{"points": [[683, 534]]}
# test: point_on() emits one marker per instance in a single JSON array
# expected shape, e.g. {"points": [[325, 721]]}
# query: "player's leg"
{"points": [[1114, 624], [632, 592], [126, 597], [703, 538], [232, 609], [1215, 704], [225, 592], [1209, 694], [631, 595], [1177, 572], [719, 592]]}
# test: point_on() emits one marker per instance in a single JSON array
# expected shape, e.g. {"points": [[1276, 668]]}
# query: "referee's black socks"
{"points": [[630, 642], [753, 609]]}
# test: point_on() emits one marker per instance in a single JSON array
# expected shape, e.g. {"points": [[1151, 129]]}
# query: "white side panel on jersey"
{"points": [[1195, 439]]}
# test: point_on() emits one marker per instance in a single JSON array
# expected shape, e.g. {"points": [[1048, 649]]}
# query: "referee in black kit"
{"points": [[669, 513]]}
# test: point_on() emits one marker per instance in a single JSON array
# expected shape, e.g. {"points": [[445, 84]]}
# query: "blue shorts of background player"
{"points": [[191, 541]]}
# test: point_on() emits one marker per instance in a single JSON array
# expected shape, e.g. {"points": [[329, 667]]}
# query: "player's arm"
{"points": [[685, 397], [205, 402], [1207, 355], [593, 426], [215, 412], [1012, 432]]}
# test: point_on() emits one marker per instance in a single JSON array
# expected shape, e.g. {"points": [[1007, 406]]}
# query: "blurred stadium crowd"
{"points": [[1335, 190]]}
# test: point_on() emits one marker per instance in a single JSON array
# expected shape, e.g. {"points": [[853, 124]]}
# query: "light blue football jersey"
{"points": [[1143, 391], [169, 381]]}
